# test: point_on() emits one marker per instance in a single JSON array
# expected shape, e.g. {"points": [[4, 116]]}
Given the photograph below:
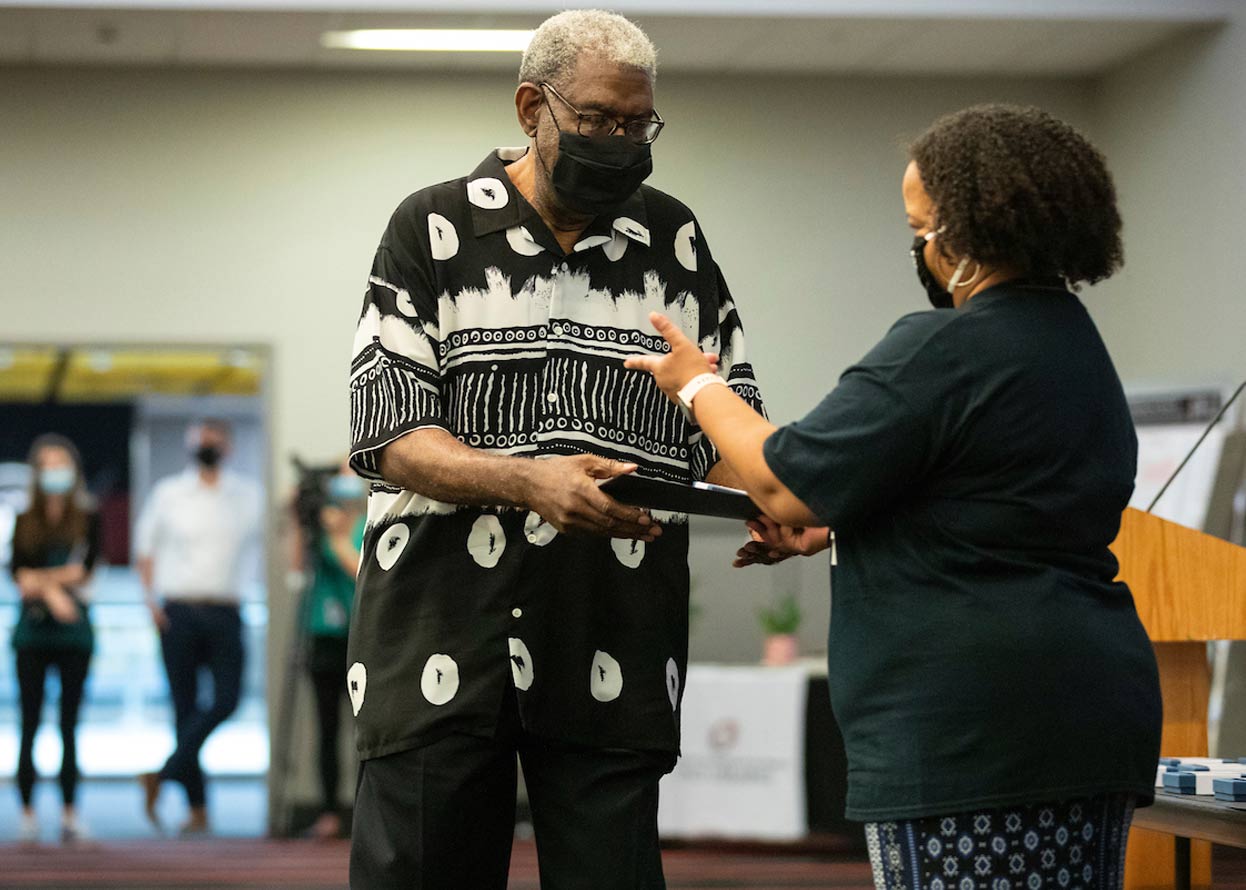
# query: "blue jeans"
{"points": [[199, 636]]}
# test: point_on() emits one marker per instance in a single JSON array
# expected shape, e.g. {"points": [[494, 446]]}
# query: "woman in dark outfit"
{"points": [[998, 696], [55, 543]]}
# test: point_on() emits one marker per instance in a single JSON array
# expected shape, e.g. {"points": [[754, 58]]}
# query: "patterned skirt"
{"points": [[1070, 844]]}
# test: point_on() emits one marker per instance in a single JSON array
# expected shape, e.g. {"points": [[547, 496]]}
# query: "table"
{"points": [[763, 757], [1187, 816]]}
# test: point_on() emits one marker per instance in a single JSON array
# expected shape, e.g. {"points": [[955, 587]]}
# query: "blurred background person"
{"points": [[55, 543], [328, 536], [191, 541]]}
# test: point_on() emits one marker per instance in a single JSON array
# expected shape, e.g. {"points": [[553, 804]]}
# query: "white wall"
{"points": [[218, 206], [1173, 125]]}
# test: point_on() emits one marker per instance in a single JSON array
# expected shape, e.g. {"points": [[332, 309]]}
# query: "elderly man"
{"points": [[505, 603]]}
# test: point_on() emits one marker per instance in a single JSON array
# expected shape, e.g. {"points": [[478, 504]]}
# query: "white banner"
{"points": [[742, 773]]}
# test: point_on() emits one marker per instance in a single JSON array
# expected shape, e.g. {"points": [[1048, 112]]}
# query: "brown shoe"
{"points": [[327, 827], [197, 824], [150, 783]]}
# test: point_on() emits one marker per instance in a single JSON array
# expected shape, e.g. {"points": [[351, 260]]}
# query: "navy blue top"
{"points": [[974, 466]]}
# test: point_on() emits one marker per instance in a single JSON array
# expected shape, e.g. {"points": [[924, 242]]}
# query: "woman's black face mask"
{"points": [[935, 292]]}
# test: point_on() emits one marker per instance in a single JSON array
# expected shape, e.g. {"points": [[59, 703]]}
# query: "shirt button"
{"points": [[552, 397], [558, 330], [516, 613]]}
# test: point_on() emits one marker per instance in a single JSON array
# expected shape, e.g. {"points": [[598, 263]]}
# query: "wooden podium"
{"points": [[1189, 588]]}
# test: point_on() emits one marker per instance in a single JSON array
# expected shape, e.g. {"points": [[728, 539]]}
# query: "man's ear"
{"points": [[528, 101]]}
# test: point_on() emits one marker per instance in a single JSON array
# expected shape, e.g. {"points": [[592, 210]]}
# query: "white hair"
{"points": [[562, 39]]}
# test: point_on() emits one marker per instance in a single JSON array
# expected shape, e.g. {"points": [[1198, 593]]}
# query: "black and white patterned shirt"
{"points": [[476, 321]]}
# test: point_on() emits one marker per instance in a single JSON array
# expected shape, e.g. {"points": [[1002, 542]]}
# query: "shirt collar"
{"points": [[497, 205]]}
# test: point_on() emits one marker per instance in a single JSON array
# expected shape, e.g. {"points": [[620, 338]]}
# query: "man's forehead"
{"points": [[606, 86]]}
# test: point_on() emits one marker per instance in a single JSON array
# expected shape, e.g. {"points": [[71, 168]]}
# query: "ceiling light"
{"points": [[428, 40]]}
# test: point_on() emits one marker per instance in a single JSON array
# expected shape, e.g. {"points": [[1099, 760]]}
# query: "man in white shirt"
{"points": [[192, 538]]}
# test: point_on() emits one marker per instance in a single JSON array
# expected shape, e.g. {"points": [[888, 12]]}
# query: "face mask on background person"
{"points": [[208, 456], [57, 480], [596, 175], [344, 488], [938, 295]]}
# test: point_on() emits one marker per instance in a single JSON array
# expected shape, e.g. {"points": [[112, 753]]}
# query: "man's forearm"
{"points": [[144, 566], [435, 464]]}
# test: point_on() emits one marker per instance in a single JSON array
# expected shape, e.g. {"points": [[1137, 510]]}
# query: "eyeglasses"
{"points": [[593, 125]]}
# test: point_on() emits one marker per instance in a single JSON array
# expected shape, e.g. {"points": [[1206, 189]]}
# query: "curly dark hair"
{"points": [[1013, 186]]}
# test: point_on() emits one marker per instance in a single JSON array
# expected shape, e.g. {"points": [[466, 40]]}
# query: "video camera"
{"points": [[311, 495]]}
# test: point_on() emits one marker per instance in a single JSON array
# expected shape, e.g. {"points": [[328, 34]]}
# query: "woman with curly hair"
{"points": [[998, 696], [55, 543]]}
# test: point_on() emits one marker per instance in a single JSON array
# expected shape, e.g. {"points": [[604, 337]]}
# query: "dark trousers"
{"points": [[327, 667], [442, 817], [199, 636], [32, 675]]}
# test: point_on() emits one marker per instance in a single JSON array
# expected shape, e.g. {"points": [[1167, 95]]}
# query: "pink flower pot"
{"points": [[780, 649]]}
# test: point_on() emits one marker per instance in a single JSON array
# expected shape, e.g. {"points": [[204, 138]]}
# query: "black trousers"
{"points": [[442, 817], [327, 667], [199, 636], [32, 675]]}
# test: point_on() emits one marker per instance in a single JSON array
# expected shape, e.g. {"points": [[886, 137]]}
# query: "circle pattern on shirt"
{"points": [[537, 530], [391, 545], [686, 246], [521, 664], [443, 240], [405, 304], [440, 680], [672, 682], [591, 241], [520, 240], [606, 680], [487, 193], [486, 541], [356, 685], [630, 552]]}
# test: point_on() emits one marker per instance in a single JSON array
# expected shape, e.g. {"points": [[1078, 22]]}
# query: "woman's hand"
{"points": [[335, 521], [772, 543], [681, 364], [60, 604]]}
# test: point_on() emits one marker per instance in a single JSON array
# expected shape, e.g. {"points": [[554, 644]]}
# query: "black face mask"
{"points": [[935, 292], [592, 176], [208, 456]]}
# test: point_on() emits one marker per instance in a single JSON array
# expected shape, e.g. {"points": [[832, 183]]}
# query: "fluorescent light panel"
{"points": [[429, 40]]}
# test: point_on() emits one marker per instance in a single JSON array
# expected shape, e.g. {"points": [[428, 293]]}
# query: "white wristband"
{"points": [[694, 386]]}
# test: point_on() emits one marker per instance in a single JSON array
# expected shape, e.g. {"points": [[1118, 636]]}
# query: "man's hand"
{"points": [[158, 616], [566, 493], [772, 543], [684, 361]]}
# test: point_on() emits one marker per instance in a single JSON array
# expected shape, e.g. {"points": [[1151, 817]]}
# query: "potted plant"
{"points": [[780, 622]]}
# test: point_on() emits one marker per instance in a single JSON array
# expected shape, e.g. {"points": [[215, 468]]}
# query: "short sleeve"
{"points": [[873, 436], [722, 332], [395, 376]]}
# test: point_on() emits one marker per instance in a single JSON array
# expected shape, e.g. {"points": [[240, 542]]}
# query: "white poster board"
{"points": [[1161, 448], [742, 773]]}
